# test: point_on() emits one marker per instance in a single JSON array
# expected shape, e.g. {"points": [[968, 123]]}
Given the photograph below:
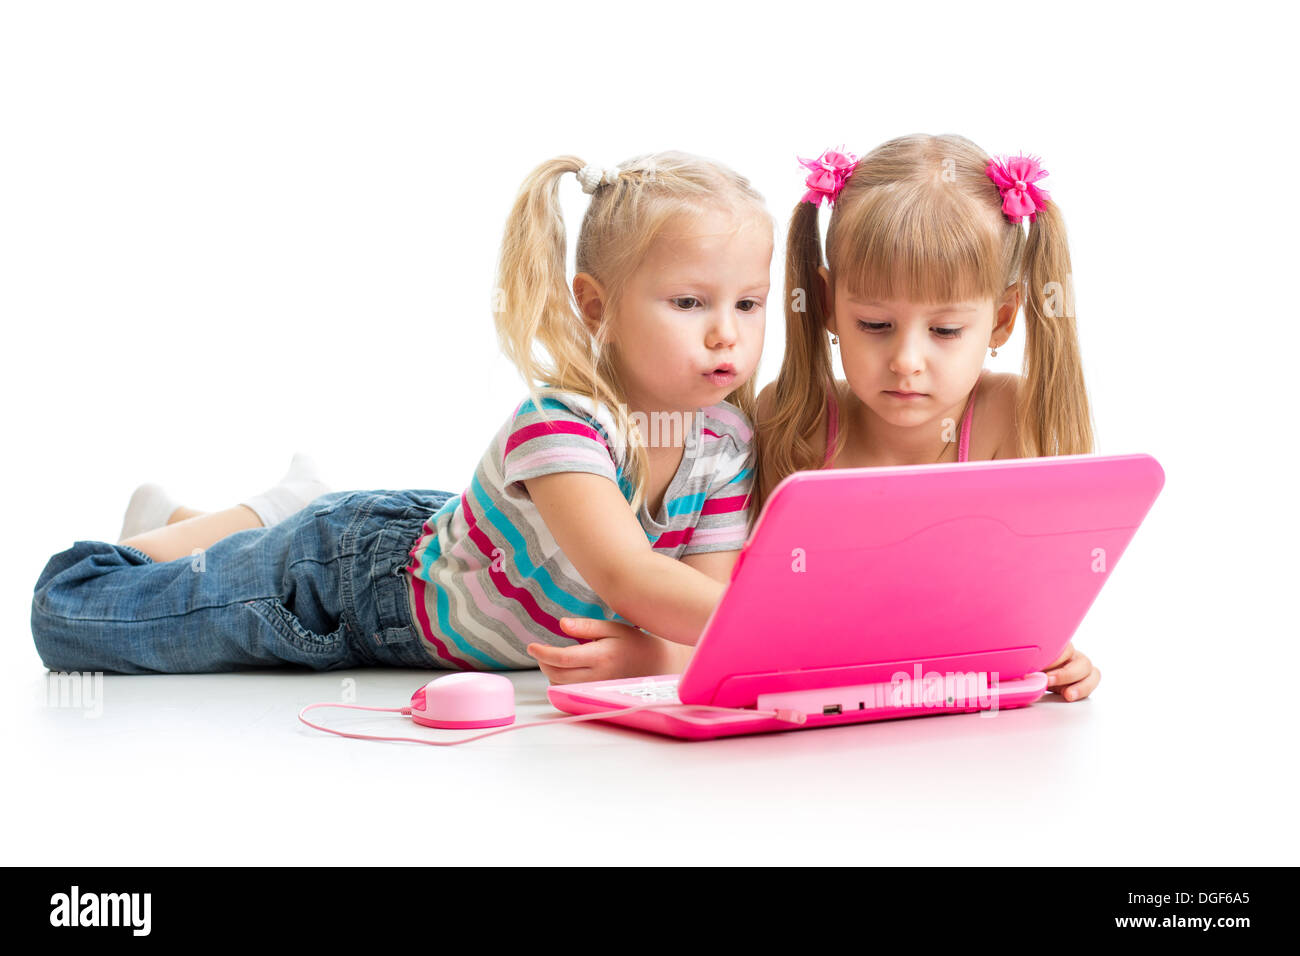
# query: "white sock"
{"points": [[149, 508], [300, 486]]}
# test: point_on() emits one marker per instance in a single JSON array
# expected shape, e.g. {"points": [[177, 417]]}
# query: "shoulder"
{"points": [[998, 392], [557, 431], [549, 400], [1000, 384], [552, 406]]}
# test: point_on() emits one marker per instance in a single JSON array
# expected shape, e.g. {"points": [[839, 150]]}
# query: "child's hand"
{"points": [[615, 650], [1072, 676]]}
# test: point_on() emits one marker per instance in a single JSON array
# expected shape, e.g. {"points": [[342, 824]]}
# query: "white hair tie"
{"points": [[593, 177]]}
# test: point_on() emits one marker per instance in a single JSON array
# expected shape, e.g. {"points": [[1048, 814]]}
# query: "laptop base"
{"points": [[877, 702]]}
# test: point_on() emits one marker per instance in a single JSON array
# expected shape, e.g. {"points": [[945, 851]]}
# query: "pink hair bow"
{"points": [[829, 172], [1015, 178]]}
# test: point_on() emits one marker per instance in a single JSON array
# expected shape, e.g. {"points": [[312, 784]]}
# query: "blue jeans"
{"points": [[322, 589]]}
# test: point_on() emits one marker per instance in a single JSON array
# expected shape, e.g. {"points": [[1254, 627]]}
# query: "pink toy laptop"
{"points": [[876, 593]]}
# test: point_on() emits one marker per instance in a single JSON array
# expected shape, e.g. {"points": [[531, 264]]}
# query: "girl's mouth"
{"points": [[722, 375]]}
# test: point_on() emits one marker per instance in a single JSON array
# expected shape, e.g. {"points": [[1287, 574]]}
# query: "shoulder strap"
{"points": [[963, 446]]}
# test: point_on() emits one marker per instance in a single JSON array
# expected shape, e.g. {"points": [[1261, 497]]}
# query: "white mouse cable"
{"points": [[790, 716]]}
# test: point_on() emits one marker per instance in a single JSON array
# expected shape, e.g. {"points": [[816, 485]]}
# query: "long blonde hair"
{"points": [[535, 306], [920, 219]]}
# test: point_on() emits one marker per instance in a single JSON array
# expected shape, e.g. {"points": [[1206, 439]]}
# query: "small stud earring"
{"points": [[835, 340]]}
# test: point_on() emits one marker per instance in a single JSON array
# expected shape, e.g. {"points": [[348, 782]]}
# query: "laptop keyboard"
{"points": [[656, 693]]}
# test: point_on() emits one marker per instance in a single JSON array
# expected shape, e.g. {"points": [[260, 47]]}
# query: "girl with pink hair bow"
{"points": [[932, 249]]}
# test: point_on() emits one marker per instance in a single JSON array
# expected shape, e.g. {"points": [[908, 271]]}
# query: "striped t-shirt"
{"points": [[487, 577]]}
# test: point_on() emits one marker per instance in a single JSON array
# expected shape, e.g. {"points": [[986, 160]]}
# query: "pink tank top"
{"points": [[833, 423]]}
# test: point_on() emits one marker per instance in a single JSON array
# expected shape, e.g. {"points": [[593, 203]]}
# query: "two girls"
{"points": [[577, 521], [927, 262]]}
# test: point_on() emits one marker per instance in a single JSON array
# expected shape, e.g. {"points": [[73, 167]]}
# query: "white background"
{"points": [[230, 231]]}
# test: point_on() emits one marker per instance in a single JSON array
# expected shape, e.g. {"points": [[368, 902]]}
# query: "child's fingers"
{"points": [[565, 675], [1074, 670], [576, 655], [555, 656], [1081, 689], [593, 627]]}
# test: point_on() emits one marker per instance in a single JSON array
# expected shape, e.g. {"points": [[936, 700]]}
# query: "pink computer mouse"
{"points": [[469, 699]]}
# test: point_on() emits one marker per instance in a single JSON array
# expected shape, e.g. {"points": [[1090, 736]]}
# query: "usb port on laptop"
{"points": [[832, 709]]}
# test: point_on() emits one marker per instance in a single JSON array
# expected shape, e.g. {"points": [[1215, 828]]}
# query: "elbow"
{"points": [[623, 579]]}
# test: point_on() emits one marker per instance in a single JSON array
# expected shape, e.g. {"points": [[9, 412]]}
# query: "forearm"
{"points": [[666, 597]]}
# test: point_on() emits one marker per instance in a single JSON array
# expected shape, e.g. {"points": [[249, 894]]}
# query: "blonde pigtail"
{"points": [[1053, 416], [788, 436], [532, 301]]}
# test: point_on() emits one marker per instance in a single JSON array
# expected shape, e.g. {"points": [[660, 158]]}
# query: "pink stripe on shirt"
{"points": [[671, 539], [422, 613], [714, 535], [546, 455], [718, 506], [502, 583], [547, 429]]}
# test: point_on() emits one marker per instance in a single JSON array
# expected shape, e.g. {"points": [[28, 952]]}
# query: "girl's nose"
{"points": [[724, 329], [906, 359]]}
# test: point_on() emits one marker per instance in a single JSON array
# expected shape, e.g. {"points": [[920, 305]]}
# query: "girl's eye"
{"points": [[685, 302], [748, 305], [943, 333]]}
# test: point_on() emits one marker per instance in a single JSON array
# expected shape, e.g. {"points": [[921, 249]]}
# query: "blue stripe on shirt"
{"points": [[523, 563]]}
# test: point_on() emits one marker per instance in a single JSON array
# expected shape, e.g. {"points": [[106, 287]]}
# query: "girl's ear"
{"points": [[1004, 318], [590, 295], [826, 292]]}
